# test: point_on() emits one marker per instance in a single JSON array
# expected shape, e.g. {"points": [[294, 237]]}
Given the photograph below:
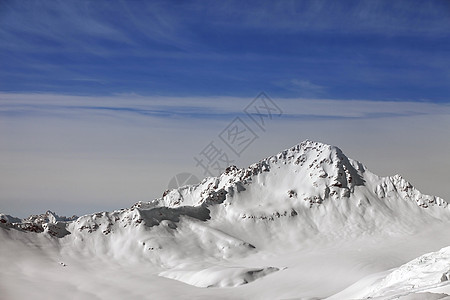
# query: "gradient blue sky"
{"points": [[377, 50], [103, 102]]}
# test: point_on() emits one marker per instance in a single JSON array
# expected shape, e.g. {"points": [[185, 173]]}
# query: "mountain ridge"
{"points": [[312, 186]]}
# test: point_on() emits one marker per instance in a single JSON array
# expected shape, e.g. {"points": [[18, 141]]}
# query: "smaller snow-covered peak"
{"points": [[49, 217], [9, 219], [397, 185], [49, 222]]}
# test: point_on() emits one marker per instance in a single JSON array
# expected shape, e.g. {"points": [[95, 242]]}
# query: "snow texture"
{"points": [[306, 222]]}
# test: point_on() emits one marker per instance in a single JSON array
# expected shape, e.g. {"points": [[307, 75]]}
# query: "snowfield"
{"points": [[307, 223]]}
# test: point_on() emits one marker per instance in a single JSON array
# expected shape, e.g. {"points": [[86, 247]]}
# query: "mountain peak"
{"points": [[303, 176]]}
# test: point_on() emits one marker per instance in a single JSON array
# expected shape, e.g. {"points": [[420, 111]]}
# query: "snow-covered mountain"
{"points": [[49, 222], [269, 222]]}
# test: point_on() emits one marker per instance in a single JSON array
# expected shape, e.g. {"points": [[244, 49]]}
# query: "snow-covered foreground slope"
{"points": [[307, 222], [429, 272]]}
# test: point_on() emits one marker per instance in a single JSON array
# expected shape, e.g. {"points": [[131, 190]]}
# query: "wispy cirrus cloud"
{"points": [[88, 27], [372, 50], [371, 17]]}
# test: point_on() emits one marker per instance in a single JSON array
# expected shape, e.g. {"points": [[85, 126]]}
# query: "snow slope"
{"points": [[307, 222], [428, 272]]}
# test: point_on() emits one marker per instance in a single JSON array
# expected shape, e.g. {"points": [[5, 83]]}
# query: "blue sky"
{"points": [[375, 50], [103, 102]]}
